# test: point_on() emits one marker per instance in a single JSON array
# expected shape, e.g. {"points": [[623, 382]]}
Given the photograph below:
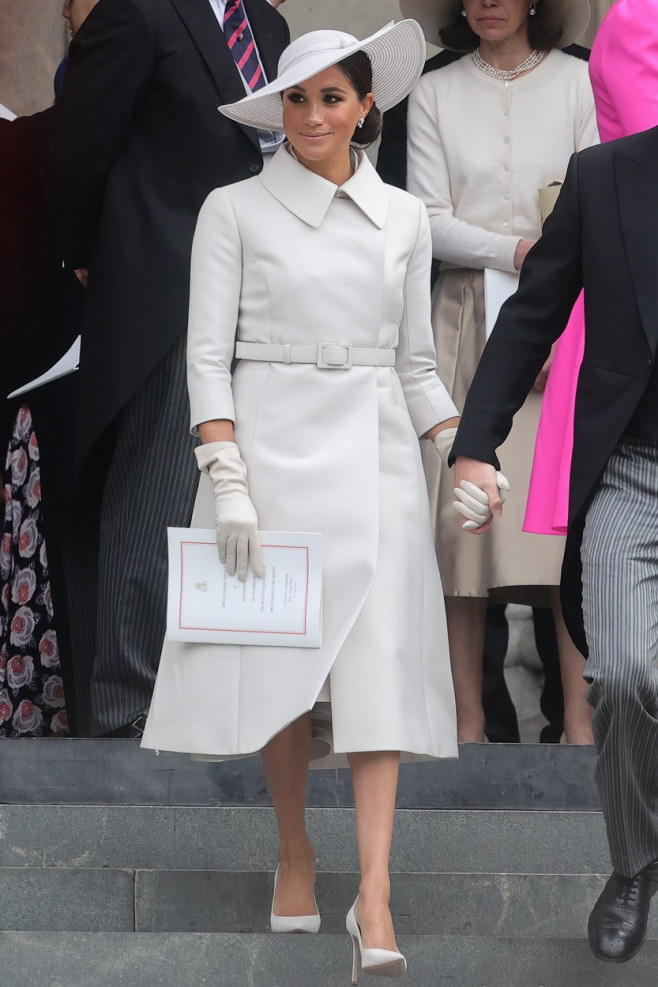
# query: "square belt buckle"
{"points": [[334, 356]]}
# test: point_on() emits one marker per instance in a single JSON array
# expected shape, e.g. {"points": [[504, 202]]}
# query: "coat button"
{"points": [[254, 169]]}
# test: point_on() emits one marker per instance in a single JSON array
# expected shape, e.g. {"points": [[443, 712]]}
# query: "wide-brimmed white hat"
{"points": [[397, 54], [433, 15]]}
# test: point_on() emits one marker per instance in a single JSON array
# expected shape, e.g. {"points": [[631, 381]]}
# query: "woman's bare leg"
{"points": [[285, 759], [466, 621], [375, 779], [577, 711]]}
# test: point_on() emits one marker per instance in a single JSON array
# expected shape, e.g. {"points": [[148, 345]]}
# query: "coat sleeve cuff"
{"points": [[206, 408], [474, 450]]}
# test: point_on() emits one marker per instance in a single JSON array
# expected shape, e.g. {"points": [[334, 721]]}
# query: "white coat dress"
{"points": [[287, 257]]}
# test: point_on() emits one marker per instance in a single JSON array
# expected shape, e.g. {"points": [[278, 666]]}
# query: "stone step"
{"points": [[244, 839], [540, 906], [63, 959], [119, 772]]}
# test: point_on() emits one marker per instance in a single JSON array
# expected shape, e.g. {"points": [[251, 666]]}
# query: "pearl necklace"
{"points": [[506, 75]]}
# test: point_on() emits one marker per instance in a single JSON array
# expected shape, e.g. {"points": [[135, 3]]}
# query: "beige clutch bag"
{"points": [[547, 199]]}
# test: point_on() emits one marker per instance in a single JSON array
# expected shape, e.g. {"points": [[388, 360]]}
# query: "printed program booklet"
{"points": [[498, 286], [282, 609], [66, 364]]}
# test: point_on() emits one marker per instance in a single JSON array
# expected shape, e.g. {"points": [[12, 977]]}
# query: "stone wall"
{"points": [[32, 42], [33, 38]]}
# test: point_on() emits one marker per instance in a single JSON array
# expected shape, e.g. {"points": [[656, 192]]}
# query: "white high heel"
{"points": [[377, 962], [293, 923]]}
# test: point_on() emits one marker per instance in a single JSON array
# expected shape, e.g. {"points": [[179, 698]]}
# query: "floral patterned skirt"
{"points": [[32, 702]]}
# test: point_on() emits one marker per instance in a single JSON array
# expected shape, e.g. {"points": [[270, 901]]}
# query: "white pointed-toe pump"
{"points": [[377, 962], [293, 923]]}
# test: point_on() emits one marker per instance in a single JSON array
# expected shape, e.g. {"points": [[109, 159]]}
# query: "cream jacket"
{"points": [[480, 149]]}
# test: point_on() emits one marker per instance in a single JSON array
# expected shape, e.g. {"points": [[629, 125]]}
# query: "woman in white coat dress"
{"points": [[316, 253]]}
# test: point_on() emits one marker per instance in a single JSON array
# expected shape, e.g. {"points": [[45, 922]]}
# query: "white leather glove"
{"points": [[473, 503], [443, 441], [236, 521]]}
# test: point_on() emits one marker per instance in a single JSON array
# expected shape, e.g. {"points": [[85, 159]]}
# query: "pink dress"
{"points": [[624, 71]]}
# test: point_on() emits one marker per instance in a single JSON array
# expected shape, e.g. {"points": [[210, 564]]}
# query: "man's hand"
{"points": [[480, 491], [542, 377], [82, 274]]}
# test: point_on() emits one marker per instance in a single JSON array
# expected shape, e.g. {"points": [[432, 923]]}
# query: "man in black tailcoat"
{"points": [[137, 145], [603, 237]]}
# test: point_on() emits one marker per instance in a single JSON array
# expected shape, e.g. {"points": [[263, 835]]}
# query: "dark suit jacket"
{"points": [[603, 236], [137, 145], [13, 210], [41, 303]]}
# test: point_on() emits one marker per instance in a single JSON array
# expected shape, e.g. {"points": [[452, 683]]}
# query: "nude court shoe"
{"points": [[377, 962], [293, 923]]}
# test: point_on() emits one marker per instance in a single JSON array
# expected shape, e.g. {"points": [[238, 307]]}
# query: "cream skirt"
{"points": [[507, 561]]}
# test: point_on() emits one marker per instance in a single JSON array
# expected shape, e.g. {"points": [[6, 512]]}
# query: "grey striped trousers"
{"points": [[620, 602], [151, 484]]}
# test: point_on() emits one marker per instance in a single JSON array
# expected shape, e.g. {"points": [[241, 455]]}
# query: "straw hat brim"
{"points": [[397, 53], [433, 15]]}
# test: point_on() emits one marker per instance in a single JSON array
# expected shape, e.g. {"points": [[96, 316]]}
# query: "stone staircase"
{"points": [[176, 890]]}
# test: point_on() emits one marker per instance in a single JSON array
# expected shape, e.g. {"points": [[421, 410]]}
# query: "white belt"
{"points": [[327, 356]]}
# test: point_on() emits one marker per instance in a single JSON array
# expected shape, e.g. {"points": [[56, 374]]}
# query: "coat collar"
{"points": [[636, 175], [309, 196]]}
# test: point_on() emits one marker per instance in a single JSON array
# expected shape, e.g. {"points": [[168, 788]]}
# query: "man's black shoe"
{"points": [[617, 926]]}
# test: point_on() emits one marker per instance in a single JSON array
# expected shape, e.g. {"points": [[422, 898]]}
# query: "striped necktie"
{"points": [[241, 44]]}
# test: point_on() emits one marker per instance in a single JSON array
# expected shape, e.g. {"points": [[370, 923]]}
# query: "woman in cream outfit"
{"points": [[317, 250], [481, 145]]}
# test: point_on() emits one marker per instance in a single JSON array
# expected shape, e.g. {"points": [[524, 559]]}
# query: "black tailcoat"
{"points": [[603, 236], [137, 145]]}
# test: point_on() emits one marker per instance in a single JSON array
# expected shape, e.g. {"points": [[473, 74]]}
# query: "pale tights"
{"points": [[374, 779], [466, 625]]}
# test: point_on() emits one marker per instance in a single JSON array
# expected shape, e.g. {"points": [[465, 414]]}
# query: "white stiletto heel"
{"points": [[293, 923], [377, 962]]}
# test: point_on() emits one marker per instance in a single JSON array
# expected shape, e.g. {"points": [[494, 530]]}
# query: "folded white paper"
{"points": [[6, 113], [283, 609], [498, 286], [65, 365]]}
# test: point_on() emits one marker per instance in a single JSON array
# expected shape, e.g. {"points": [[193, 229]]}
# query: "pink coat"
{"points": [[623, 68], [624, 72]]}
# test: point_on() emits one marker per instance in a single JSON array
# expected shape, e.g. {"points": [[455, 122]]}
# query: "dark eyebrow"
{"points": [[327, 89]]}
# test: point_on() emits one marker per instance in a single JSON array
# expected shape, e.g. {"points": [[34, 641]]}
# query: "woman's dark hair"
{"points": [[543, 32], [358, 70]]}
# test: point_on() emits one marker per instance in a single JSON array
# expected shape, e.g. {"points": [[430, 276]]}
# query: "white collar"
{"points": [[309, 196]]}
